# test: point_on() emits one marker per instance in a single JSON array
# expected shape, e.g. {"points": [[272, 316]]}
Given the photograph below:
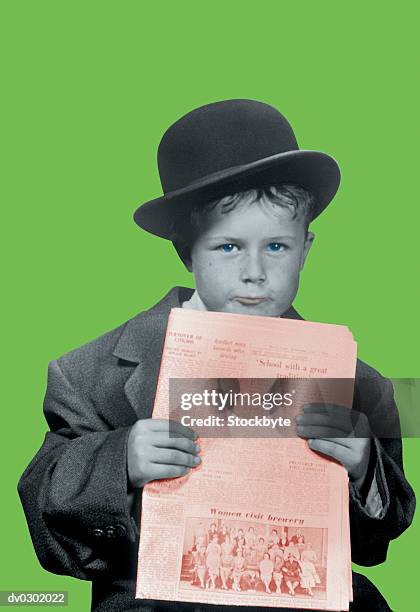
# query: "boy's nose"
{"points": [[253, 270]]}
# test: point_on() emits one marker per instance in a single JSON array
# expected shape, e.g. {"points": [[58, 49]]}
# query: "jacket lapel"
{"points": [[141, 344]]}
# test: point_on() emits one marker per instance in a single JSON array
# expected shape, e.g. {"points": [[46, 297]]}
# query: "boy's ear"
{"points": [[310, 236]]}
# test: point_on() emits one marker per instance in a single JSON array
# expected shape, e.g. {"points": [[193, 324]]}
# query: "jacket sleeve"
{"points": [[74, 491], [370, 536]]}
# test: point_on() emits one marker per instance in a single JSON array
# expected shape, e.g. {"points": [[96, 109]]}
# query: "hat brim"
{"points": [[313, 170]]}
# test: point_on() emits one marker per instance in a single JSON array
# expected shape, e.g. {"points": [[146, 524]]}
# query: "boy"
{"points": [[239, 196]]}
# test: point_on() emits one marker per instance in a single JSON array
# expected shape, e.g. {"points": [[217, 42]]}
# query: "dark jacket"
{"points": [[74, 492]]}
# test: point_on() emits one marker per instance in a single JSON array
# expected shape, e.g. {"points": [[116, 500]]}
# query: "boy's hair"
{"points": [[297, 199]]}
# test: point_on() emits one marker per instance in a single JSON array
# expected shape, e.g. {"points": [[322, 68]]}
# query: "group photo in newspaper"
{"points": [[253, 556]]}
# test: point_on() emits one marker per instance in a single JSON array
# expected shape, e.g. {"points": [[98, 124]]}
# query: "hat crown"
{"points": [[219, 136]]}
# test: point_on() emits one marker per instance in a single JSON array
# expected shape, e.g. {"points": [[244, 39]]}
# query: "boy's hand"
{"points": [[339, 432], [153, 454]]}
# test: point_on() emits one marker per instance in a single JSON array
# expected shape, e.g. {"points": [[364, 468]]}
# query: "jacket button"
{"points": [[98, 533], [110, 532], [120, 531]]}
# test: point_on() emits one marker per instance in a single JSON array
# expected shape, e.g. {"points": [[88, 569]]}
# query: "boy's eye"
{"points": [[228, 247], [276, 246]]}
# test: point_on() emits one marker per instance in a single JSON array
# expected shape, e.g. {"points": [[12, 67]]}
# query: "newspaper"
{"points": [[262, 521]]}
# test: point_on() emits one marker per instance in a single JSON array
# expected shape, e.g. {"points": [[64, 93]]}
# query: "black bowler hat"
{"points": [[227, 147]]}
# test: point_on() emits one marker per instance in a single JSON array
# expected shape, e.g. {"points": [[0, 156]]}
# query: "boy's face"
{"points": [[256, 250]]}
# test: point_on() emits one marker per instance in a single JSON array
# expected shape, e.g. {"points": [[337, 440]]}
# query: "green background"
{"points": [[88, 88]]}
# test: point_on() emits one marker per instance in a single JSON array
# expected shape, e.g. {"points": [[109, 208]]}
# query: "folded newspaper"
{"points": [[263, 520]]}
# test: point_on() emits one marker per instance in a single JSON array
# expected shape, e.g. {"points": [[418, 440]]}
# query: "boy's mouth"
{"points": [[250, 301]]}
